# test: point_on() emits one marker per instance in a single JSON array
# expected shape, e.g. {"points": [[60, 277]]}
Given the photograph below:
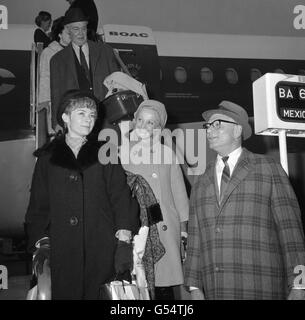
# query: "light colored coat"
{"points": [[166, 181], [246, 246], [44, 68]]}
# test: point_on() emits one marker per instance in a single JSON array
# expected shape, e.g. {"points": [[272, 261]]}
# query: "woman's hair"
{"points": [[81, 102], [157, 115], [57, 28], [74, 99], [42, 16]]}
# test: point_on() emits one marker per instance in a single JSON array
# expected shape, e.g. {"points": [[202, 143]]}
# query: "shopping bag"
{"points": [[123, 290], [120, 290], [42, 289], [32, 294]]}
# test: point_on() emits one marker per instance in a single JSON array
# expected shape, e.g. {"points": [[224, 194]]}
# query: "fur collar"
{"points": [[61, 155]]}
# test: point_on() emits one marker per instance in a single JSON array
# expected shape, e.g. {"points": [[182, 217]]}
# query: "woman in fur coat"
{"points": [[81, 215]]}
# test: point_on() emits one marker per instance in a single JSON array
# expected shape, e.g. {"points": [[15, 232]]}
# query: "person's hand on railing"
{"points": [[43, 105]]}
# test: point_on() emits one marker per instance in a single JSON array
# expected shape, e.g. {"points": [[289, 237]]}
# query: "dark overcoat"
{"points": [[63, 72], [80, 204], [246, 246]]}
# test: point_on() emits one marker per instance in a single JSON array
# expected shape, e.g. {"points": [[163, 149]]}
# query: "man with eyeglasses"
{"points": [[245, 234]]}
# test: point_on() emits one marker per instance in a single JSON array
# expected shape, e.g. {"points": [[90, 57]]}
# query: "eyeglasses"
{"points": [[216, 124]]}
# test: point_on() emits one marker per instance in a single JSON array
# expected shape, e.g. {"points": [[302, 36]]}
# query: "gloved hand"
{"points": [[184, 242], [183, 247], [40, 256], [123, 257]]}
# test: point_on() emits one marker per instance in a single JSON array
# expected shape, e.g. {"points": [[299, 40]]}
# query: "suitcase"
{"points": [[121, 106]]}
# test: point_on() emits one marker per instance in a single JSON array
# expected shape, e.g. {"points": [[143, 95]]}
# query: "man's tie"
{"points": [[83, 62], [225, 176]]}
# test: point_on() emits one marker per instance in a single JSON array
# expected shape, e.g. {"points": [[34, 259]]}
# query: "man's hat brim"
{"points": [[243, 121], [74, 15]]}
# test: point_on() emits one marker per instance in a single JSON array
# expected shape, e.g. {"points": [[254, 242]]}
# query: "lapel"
{"points": [[240, 172], [94, 53], [211, 185], [70, 61], [216, 186]]}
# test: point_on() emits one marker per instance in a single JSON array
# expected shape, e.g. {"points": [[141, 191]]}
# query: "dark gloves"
{"points": [[184, 242], [41, 255], [123, 258], [183, 247]]}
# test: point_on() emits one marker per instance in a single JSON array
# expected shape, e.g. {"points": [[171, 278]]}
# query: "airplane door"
{"points": [[138, 51], [14, 89]]}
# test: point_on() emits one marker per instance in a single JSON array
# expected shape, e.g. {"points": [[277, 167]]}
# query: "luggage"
{"points": [[121, 106]]}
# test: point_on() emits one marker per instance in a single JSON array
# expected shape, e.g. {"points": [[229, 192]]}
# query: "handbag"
{"points": [[121, 105], [126, 92]]}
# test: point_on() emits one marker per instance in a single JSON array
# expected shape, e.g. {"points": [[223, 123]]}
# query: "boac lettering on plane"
{"points": [[128, 34]]}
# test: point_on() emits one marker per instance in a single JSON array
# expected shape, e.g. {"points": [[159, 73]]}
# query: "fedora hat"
{"points": [[233, 111], [74, 15]]}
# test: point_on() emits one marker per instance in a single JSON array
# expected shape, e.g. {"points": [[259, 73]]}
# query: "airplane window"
{"points": [[206, 75], [231, 75], [279, 71], [255, 74], [180, 75]]}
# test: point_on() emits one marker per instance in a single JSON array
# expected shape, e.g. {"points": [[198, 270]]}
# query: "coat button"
{"points": [[154, 175], [73, 177], [73, 221], [164, 227]]}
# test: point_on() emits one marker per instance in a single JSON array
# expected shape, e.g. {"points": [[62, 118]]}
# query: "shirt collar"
{"points": [[85, 47], [233, 157], [43, 30]]}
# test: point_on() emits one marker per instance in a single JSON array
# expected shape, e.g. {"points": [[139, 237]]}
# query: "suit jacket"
{"points": [[246, 246], [63, 72]]}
